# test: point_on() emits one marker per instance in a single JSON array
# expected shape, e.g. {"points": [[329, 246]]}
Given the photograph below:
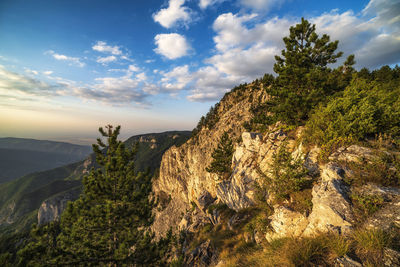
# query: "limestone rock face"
{"points": [[51, 209], [251, 159], [331, 205], [286, 223], [183, 172]]}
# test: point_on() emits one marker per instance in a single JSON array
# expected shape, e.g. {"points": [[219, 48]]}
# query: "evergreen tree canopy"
{"points": [[222, 157], [103, 225], [304, 80]]}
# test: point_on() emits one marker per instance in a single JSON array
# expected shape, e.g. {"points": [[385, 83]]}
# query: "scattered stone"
{"points": [[346, 261]]}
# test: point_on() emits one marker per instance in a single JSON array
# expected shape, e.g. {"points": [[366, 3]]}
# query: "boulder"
{"points": [[331, 204], [286, 223]]}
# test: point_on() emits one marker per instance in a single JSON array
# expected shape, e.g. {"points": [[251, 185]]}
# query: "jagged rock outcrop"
{"points": [[331, 204], [251, 160], [51, 209], [183, 172]]}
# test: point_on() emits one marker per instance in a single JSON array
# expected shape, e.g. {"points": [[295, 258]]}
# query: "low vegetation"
{"points": [[222, 158]]}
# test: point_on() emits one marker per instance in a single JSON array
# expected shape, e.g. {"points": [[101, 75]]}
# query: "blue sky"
{"points": [[68, 67]]}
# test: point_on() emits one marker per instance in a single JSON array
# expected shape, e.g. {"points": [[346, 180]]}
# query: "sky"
{"points": [[68, 67]]}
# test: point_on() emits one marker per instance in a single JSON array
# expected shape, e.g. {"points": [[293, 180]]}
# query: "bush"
{"points": [[366, 204], [222, 158], [365, 109], [383, 169], [287, 175]]}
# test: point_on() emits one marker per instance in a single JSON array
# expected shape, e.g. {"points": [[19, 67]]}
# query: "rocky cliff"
{"points": [[183, 178], [187, 193], [51, 209]]}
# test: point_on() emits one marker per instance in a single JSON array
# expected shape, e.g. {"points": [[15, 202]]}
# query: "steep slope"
{"points": [[307, 199], [182, 172], [19, 156], [50, 190]]}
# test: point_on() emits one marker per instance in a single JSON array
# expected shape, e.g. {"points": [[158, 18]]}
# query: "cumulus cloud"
{"points": [[245, 46], [106, 60], [176, 79], [171, 45], [102, 46], [72, 60], [174, 14]]}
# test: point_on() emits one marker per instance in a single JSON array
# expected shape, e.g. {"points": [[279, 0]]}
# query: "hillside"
{"points": [[21, 198], [20, 156]]}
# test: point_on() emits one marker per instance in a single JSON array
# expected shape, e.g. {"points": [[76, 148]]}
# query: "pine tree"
{"points": [[222, 158], [304, 79], [104, 226]]}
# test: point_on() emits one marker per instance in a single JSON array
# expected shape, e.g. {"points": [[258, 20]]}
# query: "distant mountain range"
{"points": [[19, 156], [21, 198]]}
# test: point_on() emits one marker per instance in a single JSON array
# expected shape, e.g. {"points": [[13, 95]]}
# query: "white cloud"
{"points": [[22, 85], [73, 60], [47, 72], [174, 14], [149, 61], [203, 4], [245, 46], [141, 76], [176, 79], [133, 68], [171, 45], [106, 60], [102, 46]]}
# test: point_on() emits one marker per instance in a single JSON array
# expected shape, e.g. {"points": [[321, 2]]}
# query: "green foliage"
{"points": [[102, 225], [106, 225], [366, 204], [222, 158], [382, 169], [208, 121], [287, 174], [42, 249], [365, 109], [304, 80]]}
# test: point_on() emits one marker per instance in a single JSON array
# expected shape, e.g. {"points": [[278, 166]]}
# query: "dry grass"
{"points": [[369, 244]]}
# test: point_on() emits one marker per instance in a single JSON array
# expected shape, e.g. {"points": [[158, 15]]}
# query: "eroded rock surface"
{"points": [[51, 209], [331, 204]]}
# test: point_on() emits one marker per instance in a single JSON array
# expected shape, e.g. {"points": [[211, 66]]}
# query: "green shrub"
{"points": [[287, 174], [222, 158], [365, 109], [366, 204], [383, 169]]}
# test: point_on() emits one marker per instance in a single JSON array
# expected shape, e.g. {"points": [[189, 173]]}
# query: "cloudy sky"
{"points": [[70, 66]]}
